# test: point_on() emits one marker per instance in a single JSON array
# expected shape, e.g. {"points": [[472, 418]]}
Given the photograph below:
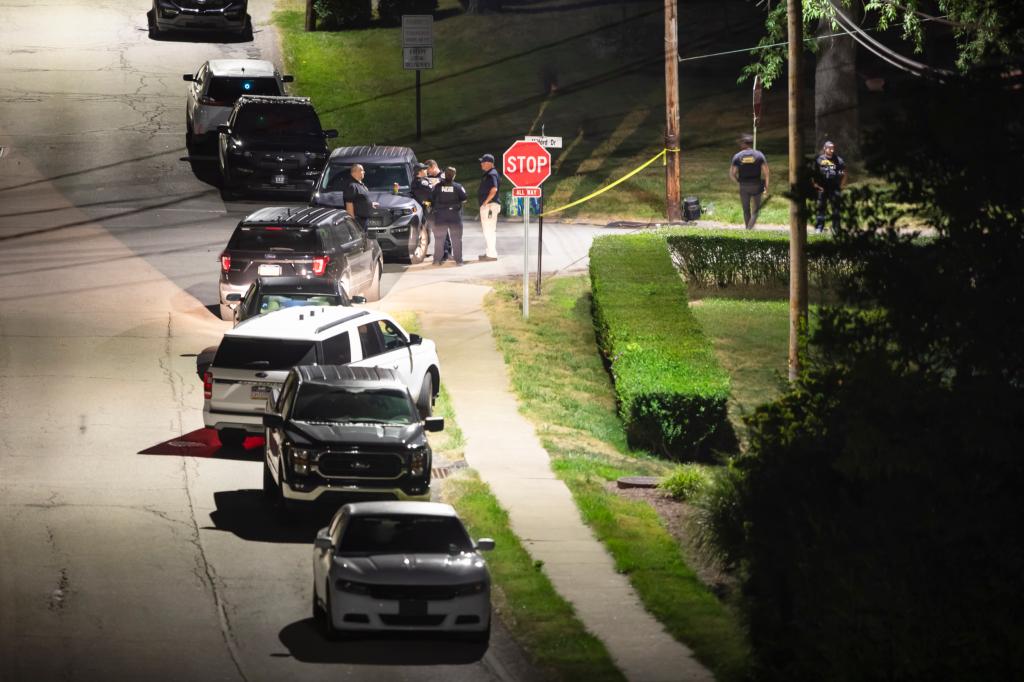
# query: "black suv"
{"points": [[351, 430], [300, 242], [211, 15], [397, 224], [271, 143]]}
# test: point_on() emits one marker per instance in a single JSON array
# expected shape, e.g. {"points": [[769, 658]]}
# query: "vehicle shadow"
{"points": [[204, 443], [198, 36], [306, 643], [250, 516]]}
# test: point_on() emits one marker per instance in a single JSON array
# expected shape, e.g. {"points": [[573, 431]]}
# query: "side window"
{"points": [[287, 394], [354, 230], [369, 339], [337, 350], [344, 232], [392, 337], [248, 302], [328, 242]]}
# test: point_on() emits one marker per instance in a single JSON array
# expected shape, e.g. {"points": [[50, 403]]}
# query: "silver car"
{"points": [[217, 85], [393, 566]]}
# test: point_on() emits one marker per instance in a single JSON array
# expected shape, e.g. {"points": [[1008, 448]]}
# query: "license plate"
{"points": [[410, 607], [260, 393], [269, 270], [279, 179], [374, 222]]}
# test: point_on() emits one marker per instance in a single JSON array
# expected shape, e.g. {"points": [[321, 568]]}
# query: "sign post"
{"points": [[527, 165], [417, 50], [548, 143]]}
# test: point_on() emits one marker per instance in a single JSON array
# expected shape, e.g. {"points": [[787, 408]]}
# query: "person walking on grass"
{"points": [[749, 169], [830, 181], [489, 206], [447, 200]]}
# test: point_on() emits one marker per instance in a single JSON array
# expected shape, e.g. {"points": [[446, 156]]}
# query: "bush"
{"points": [[671, 390], [335, 14], [712, 259], [391, 11], [686, 482]]}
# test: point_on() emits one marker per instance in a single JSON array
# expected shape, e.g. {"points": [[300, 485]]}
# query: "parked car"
{"points": [[400, 566], [321, 243], [256, 356], [345, 430], [228, 16], [271, 144], [217, 85], [397, 223]]}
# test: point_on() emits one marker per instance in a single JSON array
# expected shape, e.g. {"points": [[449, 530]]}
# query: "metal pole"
{"points": [[673, 170], [540, 240], [526, 258], [417, 105], [797, 229]]}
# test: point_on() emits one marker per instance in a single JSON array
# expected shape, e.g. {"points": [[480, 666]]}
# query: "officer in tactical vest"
{"points": [[750, 170], [447, 200]]}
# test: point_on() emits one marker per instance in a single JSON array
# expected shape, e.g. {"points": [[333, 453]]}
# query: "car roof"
{"points": [[301, 323], [401, 507], [291, 100], [345, 375], [290, 216], [373, 154], [241, 68], [305, 285]]}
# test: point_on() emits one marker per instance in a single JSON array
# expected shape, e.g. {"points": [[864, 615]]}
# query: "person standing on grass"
{"points": [[749, 169], [830, 181], [447, 200], [489, 206]]}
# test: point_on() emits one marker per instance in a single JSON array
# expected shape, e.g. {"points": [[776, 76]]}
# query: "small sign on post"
{"points": [[417, 51], [527, 165], [546, 142]]}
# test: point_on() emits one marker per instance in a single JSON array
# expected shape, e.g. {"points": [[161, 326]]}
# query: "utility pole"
{"points": [[673, 203], [797, 228], [310, 16]]}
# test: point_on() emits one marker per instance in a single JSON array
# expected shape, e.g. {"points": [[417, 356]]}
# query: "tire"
{"points": [[269, 486], [425, 402], [419, 249], [373, 290], [318, 611], [226, 313], [327, 620], [231, 438], [482, 638]]}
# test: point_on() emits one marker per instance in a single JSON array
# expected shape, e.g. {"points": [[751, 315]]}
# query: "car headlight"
{"points": [[352, 587], [399, 212], [301, 459], [471, 589], [419, 460]]}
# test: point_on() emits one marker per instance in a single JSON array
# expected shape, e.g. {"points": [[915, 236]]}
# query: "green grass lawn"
{"points": [[563, 387], [491, 85]]}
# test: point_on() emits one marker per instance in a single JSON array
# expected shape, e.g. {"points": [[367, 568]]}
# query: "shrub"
{"points": [[391, 11], [686, 482], [671, 390], [335, 14]]}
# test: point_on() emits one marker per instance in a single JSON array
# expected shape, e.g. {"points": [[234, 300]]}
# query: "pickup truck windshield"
{"points": [[404, 534], [374, 406]]}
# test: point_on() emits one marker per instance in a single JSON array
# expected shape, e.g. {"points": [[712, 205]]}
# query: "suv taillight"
{"points": [[320, 265], [225, 262], [207, 385]]}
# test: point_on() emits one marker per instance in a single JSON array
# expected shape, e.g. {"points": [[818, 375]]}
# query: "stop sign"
{"points": [[526, 164]]}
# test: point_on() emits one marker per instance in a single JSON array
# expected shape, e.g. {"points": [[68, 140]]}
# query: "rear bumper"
{"points": [[224, 419], [229, 288], [170, 16]]}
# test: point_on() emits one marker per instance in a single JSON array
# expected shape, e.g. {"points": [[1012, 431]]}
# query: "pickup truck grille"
{"points": [[359, 465]]}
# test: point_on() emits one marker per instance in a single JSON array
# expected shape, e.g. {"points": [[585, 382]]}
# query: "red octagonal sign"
{"points": [[526, 164]]}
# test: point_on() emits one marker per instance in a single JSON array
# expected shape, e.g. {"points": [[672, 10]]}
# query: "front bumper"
{"points": [[357, 612], [393, 238], [170, 16]]}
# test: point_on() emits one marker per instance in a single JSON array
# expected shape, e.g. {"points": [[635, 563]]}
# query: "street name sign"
{"points": [[544, 141]]}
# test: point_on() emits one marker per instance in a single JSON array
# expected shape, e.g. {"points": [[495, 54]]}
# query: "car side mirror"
{"points": [[484, 545], [187, 77], [433, 424], [224, 129], [288, 79], [233, 298], [330, 133], [273, 421], [358, 299], [415, 339], [323, 540]]}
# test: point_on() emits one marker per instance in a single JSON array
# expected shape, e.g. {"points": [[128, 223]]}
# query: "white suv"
{"points": [[255, 357]]}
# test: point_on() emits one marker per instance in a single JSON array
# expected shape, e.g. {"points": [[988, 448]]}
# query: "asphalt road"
{"points": [[116, 565]]}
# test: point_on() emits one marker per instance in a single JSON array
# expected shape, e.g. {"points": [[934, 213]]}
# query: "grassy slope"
{"points": [[563, 387], [608, 106]]}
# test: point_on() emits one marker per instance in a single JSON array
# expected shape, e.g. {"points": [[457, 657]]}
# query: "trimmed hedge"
{"points": [[711, 259], [671, 390], [391, 11]]}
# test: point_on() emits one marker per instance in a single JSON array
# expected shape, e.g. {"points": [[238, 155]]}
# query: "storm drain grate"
{"points": [[445, 470]]}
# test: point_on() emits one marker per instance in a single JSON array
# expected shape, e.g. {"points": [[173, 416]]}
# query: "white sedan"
{"points": [[392, 566]]}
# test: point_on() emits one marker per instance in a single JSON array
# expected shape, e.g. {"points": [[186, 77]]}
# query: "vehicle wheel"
{"points": [[231, 438], [482, 638], [226, 313], [373, 291], [425, 403], [327, 620], [318, 611], [418, 250], [269, 487], [285, 508]]}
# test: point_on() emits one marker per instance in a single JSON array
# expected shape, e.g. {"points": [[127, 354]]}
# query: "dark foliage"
{"points": [[336, 14], [391, 11], [876, 516]]}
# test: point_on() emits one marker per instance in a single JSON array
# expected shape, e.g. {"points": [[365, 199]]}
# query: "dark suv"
{"points": [[300, 242], [272, 143], [212, 15], [397, 224], [350, 430]]}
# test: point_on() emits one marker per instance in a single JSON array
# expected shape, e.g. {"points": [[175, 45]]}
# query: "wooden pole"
{"points": [[797, 228], [310, 16], [673, 204]]}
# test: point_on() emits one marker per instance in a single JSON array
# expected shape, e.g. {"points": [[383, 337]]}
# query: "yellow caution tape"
{"points": [[627, 176]]}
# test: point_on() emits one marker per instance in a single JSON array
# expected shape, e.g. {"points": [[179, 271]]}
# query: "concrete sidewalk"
{"points": [[503, 447]]}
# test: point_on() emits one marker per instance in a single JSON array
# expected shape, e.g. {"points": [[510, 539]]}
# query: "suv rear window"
{"points": [[227, 90], [277, 119], [274, 239], [272, 354]]}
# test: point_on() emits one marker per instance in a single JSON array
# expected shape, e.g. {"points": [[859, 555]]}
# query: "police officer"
{"points": [[434, 176], [489, 206], [749, 169], [830, 181], [357, 197], [447, 199]]}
